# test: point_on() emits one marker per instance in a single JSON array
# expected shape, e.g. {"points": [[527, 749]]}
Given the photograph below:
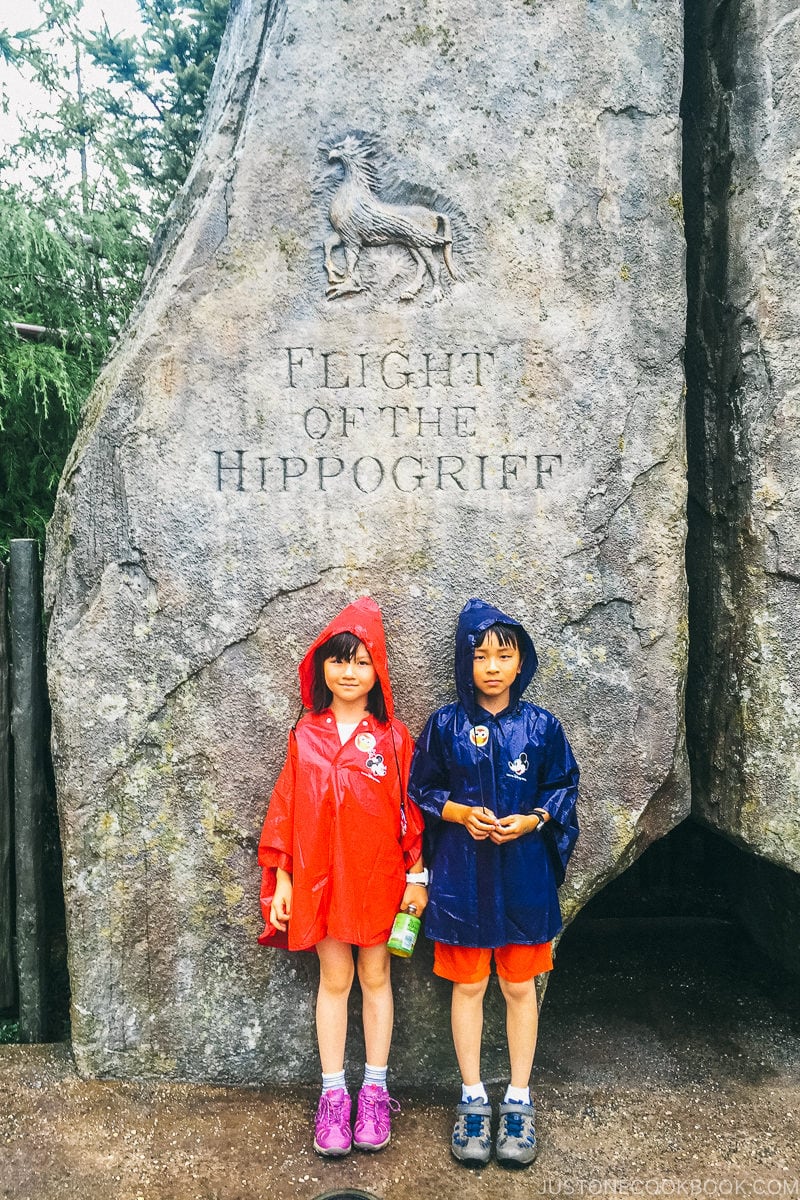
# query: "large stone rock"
{"points": [[480, 394], [743, 365]]}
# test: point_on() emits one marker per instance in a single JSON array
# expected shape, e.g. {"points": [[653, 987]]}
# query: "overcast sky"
{"points": [[121, 15]]}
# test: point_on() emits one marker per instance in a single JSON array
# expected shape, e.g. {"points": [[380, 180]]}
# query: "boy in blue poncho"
{"points": [[497, 782]]}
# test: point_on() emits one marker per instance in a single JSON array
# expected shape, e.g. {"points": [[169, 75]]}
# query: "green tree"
{"points": [[80, 196], [46, 369], [158, 88]]}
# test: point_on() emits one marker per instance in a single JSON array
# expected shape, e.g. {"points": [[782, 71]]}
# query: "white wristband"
{"points": [[418, 877]]}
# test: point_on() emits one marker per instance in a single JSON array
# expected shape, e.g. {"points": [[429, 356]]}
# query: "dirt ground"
{"points": [[668, 1065]]}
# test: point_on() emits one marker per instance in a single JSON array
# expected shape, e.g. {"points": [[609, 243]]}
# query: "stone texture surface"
{"points": [[742, 365], [272, 439]]}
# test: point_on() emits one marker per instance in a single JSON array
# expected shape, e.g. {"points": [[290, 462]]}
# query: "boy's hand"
{"points": [[280, 910], [508, 829], [417, 895], [479, 822]]}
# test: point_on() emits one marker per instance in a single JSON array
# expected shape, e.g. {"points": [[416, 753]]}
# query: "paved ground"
{"points": [[669, 1065]]}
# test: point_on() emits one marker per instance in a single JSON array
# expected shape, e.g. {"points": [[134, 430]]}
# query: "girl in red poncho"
{"points": [[340, 848]]}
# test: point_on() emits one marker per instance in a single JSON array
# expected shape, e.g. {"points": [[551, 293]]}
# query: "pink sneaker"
{"points": [[332, 1136], [373, 1128]]}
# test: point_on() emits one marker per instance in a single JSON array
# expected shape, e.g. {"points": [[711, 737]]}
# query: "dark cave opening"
{"points": [[658, 977]]}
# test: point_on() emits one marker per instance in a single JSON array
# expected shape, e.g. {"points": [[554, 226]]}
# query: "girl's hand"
{"points": [[417, 895], [508, 829], [280, 910]]}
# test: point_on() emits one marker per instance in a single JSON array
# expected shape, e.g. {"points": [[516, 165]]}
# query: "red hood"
{"points": [[362, 618]]}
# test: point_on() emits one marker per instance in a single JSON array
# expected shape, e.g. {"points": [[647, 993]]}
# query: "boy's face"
{"points": [[494, 669], [351, 679]]}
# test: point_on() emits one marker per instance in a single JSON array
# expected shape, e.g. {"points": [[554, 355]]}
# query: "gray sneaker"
{"points": [[472, 1137], [516, 1135]]}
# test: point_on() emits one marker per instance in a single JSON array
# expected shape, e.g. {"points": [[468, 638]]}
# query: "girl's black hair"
{"points": [[507, 635], [342, 647]]}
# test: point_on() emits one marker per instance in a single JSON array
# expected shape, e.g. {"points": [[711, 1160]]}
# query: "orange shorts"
{"points": [[471, 964]]}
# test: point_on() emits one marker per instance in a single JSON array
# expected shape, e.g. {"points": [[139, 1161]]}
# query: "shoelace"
{"points": [[370, 1105], [331, 1110], [514, 1124], [474, 1124]]}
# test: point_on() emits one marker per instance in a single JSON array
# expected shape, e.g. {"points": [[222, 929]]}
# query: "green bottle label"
{"points": [[403, 937]]}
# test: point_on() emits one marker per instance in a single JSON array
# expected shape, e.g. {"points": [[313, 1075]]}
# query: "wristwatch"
{"points": [[418, 877]]}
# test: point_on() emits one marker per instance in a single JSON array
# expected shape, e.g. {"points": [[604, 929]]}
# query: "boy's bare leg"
{"points": [[335, 980], [377, 1002], [466, 1017], [522, 1027]]}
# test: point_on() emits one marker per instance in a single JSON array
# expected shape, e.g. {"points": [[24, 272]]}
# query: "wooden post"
{"points": [[8, 989], [29, 722]]}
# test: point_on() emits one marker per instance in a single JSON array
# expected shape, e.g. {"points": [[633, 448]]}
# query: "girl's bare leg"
{"points": [[466, 1016], [377, 1002], [335, 980]]}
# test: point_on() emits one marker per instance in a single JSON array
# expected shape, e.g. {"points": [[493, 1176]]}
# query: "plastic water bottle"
{"points": [[403, 937]]}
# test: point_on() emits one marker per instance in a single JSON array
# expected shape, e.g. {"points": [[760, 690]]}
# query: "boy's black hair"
{"points": [[342, 647], [507, 635]]}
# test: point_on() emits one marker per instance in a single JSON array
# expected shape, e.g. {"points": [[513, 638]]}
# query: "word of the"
{"points": [[398, 419]]}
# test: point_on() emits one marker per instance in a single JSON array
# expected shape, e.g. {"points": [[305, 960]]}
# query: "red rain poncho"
{"points": [[335, 822]]}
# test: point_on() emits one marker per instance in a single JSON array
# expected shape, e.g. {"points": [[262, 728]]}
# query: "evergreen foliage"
{"points": [[161, 85], [42, 382], [81, 194]]}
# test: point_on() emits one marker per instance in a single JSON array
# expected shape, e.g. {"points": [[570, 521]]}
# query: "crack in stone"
{"points": [[602, 527], [785, 20], [604, 603], [779, 573], [601, 530], [138, 565], [647, 637], [237, 90], [626, 110], [196, 671]]}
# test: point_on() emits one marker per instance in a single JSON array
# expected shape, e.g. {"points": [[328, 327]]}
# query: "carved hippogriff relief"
{"points": [[368, 206]]}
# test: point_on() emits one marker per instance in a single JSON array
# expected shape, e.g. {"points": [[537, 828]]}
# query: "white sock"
{"points": [[517, 1095], [335, 1080], [375, 1075], [473, 1091]]}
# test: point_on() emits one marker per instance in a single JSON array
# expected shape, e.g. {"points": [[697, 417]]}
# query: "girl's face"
{"points": [[351, 680]]}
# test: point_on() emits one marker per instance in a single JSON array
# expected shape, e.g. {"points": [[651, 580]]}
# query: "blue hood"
{"points": [[474, 619]]}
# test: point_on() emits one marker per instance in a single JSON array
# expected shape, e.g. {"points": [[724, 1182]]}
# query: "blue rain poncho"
{"points": [[482, 894]]}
